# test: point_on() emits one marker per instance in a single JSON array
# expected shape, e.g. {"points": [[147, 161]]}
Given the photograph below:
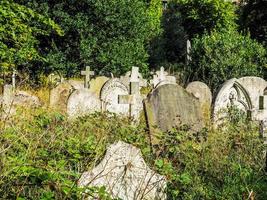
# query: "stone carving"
{"points": [[232, 93], [161, 77], [170, 106], [247, 94], [125, 175], [82, 102], [109, 96], [203, 93]]}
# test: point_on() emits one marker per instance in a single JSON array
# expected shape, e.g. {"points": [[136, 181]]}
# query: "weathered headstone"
{"points": [[59, 96], [87, 73], [231, 94], [7, 101], [109, 96], [134, 99], [97, 84], [125, 175], [82, 102], [161, 77], [170, 106], [203, 93]]}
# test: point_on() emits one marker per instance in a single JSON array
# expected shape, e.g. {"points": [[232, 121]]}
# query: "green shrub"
{"points": [[220, 56]]}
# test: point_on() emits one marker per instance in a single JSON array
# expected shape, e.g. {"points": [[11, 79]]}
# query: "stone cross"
{"points": [[131, 99], [188, 51], [14, 79], [87, 73]]}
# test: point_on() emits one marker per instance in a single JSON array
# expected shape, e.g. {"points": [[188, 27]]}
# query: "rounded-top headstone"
{"points": [[97, 84], [201, 91], [109, 96], [82, 102], [59, 96], [170, 106]]}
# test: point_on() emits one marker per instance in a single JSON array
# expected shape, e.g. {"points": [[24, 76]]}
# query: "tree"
{"points": [[110, 36], [20, 28], [223, 55], [254, 19], [199, 16]]}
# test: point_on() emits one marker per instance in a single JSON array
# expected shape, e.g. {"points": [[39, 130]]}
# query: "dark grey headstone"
{"points": [[171, 106]]}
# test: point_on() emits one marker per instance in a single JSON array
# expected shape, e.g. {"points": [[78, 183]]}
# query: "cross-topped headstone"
{"points": [[87, 73], [14, 79], [133, 99]]}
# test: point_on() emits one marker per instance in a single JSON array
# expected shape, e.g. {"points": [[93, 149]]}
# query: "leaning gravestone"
{"points": [[203, 93], [82, 102], [59, 96], [171, 106], [125, 175], [109, 97]]}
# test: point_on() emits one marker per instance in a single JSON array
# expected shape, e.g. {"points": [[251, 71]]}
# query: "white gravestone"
{"points": [[161, 77], [125, 175], [82, 102], [247, 93], [126, 79], [232, 93], [109, 97], [134, 99]]}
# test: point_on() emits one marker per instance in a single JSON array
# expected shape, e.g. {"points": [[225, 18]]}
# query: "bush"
{"points": [[43, 155], [224, 55]]}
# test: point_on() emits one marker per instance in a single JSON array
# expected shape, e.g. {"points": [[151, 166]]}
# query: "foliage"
{"points": [[254, 18], [20, 28], [43, 155], [201, 16], [223, 55], [110, 36]]}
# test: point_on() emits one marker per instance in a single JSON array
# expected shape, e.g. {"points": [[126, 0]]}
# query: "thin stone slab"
{"points": [[203, 93], [109, 96], [59, 96], [82, 102], [169, 106], [125, 175]]}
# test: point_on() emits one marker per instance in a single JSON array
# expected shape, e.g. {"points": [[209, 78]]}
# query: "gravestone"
{"points": [[161, 77], [82, 102], [127, 77], [109, 97], [97, 84], [11, 99], [134, 99], [203, 93], [125, 175], [59, 96], [87, 73], [76, 84], [231, 94], [170, 106]]}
